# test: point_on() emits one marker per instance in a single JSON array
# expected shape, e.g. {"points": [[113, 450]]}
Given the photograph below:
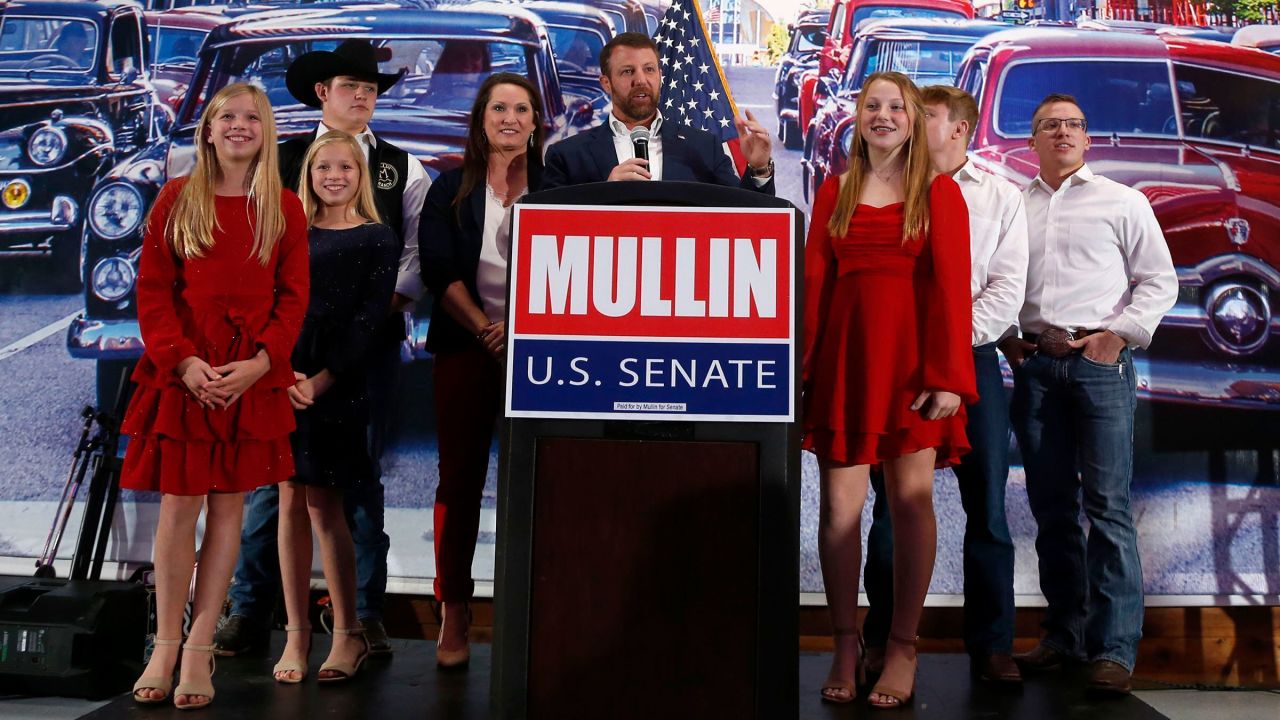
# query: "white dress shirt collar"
{"points": [[365, 137], [619, 128], [1083, 175]]}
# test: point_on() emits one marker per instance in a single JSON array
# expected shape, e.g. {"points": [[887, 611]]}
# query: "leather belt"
{"points": [[1055, 342]]}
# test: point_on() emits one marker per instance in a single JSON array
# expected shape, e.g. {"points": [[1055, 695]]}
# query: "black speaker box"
{"points": [[75, 638]]}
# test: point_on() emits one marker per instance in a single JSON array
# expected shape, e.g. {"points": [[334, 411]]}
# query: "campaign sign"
{"points": [[653, 313]]}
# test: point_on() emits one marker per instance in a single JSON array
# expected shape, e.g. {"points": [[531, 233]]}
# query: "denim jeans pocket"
{"points": [[1095, 363]]}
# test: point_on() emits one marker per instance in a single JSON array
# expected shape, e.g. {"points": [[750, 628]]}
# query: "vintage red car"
{"points": [[1195, 125], [846, 15], [176, 37], [929, 51]]}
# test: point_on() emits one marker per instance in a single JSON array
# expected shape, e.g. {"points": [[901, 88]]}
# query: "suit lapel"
{"points": [[602, 150], [475, 204], [675, 152]]}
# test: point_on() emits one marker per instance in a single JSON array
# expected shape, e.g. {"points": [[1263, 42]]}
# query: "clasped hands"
{"points": [[753, 140], [221, 386], [494, 339]]}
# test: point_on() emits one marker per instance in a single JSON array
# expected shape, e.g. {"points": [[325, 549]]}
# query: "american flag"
{"points": [[694, 91], [713, 15]]}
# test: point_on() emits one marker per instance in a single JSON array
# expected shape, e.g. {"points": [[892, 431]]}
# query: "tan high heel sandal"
{"points": [[285, 666], [155, 682], [346, 671], [453, 658], [902, 698], [205, 689], [831, 687]]}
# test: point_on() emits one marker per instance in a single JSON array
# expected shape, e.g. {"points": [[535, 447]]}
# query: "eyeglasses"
{"points": [[1048, 125]]}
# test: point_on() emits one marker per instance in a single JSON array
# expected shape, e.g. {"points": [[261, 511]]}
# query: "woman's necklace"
{"points": [[886, 177]]}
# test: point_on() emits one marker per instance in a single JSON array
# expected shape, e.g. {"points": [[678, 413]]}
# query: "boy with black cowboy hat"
{"points": [[345, 84]]}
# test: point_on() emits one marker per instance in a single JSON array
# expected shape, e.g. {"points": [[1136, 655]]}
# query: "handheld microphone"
{"points": [[640, 142]]}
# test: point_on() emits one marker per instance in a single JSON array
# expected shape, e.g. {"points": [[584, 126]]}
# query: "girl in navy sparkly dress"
{"points": [[354, 260]]}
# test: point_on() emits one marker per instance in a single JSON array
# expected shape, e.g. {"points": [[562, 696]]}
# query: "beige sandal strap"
{"points": [[160, 641], [348, 631], [899, 695], [296, 628], [198, 648]]}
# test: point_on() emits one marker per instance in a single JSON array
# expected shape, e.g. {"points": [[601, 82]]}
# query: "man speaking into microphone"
{"points": [[637, 143]]}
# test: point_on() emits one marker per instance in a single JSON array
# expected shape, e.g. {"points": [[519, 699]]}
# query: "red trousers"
{"points": [[468, 393]]}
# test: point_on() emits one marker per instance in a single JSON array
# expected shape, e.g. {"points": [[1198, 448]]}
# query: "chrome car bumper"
{"points": [[104, 339], [122, 340], [30, 222]]}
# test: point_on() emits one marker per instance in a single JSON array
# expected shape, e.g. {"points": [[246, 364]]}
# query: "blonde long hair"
{"points": [[195, 214], [311, 203], [915, 178]]}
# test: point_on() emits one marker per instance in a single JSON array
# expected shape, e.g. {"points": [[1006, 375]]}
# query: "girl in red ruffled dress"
{"points": [[222, 291], [887, 364]]}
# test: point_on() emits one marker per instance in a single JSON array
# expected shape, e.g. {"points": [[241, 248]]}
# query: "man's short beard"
{"points": [[629, 110]]}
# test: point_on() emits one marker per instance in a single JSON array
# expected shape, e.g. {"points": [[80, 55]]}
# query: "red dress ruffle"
{"points": [[884, 321], [222, 307]]}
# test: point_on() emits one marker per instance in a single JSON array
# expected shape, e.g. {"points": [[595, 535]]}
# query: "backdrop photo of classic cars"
{"points": [[98, 101]]}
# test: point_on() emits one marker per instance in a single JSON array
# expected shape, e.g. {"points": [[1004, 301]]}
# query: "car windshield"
{"points": [[927, 62], [47, 43], [1228, 106], [176, 46], [577, 49], [441, 74], [619, 21], [891, 11], [1125, 98], [808, 39]]}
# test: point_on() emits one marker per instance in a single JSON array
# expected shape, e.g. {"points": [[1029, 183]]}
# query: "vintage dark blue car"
{"points": [[929, 51], [807, 36], [74, 102], [447, 52], [578, 34]]}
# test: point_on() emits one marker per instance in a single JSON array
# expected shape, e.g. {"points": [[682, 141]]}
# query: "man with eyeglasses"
{"points": [[1099, 280]]}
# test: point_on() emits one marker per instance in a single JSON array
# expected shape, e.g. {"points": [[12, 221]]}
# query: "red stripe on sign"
{"points": [[653, 273]]}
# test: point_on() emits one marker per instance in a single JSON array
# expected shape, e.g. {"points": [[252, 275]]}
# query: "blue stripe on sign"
{"points": [[704, 378]]}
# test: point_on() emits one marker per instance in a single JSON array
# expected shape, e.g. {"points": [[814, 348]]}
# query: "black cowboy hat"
{"points": [[356, 58]]}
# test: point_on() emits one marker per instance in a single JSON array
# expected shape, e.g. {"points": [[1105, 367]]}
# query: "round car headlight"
{"points": [[846, 138], [16, 193], [116, 210], [1239, 318], [47, 145], [113, 278]]}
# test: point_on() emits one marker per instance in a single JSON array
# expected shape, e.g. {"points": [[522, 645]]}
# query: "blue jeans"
{"points": [[988, 548], [1074, 421], [257, 578]]}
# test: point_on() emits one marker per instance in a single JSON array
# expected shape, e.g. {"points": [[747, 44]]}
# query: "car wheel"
{"points": [[791, 138], [64, 256], [112, 380]]}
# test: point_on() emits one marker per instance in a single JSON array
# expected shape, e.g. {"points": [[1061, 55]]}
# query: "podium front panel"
{"points": [[643, 593]]}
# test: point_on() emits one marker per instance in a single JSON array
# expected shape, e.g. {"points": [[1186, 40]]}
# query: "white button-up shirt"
{"points": [[1098, 259], [998, 248], [409, 278]]}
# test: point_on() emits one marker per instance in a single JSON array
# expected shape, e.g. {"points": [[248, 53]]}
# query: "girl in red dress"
{"points": [[887, 365], [222, 290]]}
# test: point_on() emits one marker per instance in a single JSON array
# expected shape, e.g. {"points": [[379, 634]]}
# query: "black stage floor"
{"points": [[408, 685]]}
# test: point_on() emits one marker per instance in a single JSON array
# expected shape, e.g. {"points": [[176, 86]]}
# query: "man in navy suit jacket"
{"points": [[630, 73]]}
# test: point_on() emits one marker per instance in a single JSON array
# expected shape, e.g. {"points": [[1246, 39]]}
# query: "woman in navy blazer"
{"points": [[463, 238]]}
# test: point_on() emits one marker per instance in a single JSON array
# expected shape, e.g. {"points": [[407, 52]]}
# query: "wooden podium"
{"points": [[649, 568]]}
